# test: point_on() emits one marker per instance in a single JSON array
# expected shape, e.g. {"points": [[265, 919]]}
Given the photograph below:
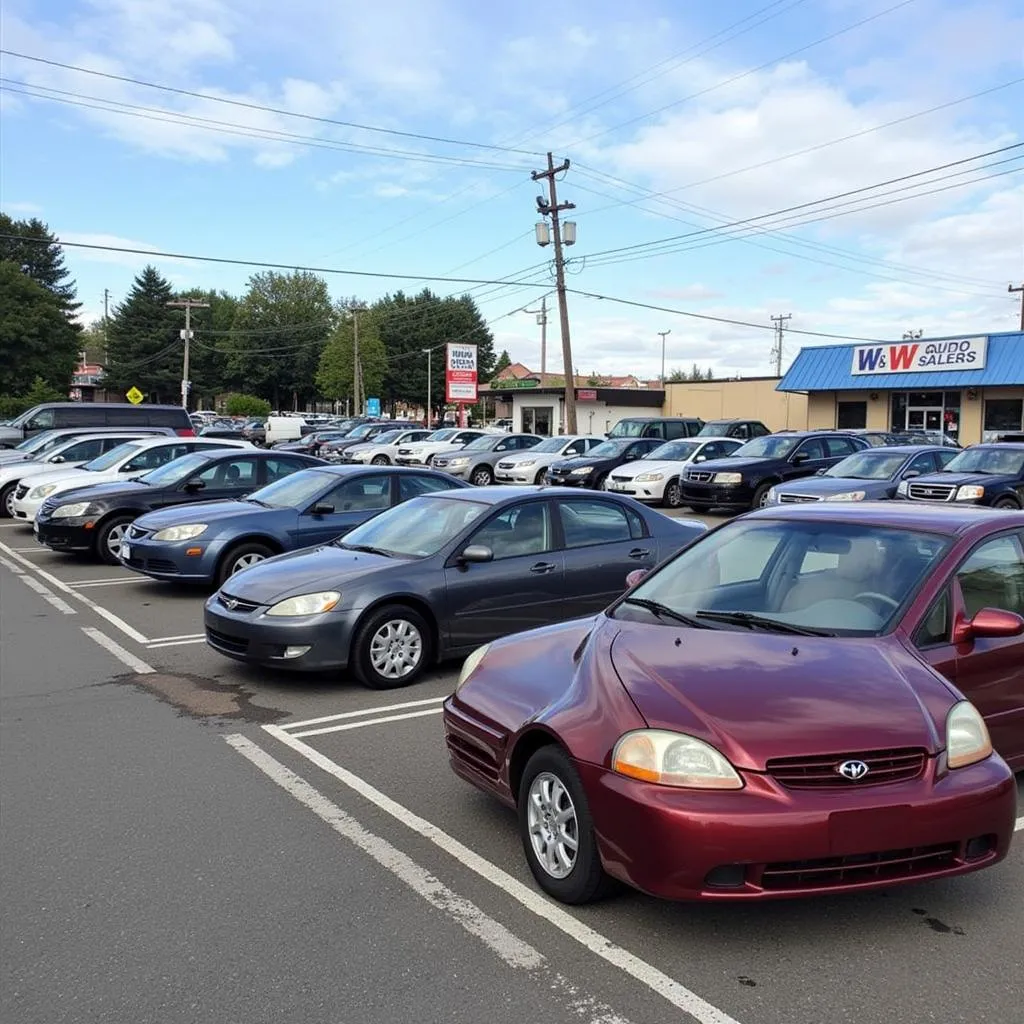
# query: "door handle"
{"points": [[543, 567], [639, 553]]}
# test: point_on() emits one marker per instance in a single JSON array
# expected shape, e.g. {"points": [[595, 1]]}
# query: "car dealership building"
{"points": [[972, 387]]}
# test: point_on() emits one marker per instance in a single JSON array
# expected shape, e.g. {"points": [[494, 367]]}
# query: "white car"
{"points": [[383, 449], [531, 467], [125, 462], [655, 477], [443, 440], [69, 453]]}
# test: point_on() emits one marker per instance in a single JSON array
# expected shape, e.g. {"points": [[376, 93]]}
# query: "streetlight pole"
{"points": [[542, 319], [428, 351], [663, 335]]}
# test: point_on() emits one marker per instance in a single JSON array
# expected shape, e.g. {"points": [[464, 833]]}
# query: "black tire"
{"points": [[673, 496], [380, 460], [701, 510], [108, 538], [541, 474], [1006, 503], [761, 496], [362, 661], [481, 476], [599, 482], [6, 496], [229, 563], [586, 880]]}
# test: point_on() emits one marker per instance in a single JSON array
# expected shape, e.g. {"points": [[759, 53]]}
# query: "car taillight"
{"points": [[185, 432]]}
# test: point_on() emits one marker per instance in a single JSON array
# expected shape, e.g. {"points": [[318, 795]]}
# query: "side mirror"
{"points": [[321, 509], [57, 459], [991, 623], [820, 472], [701, 458], [910, 474], [633, 578], [476, 553], [800, 458], [195, 485]]}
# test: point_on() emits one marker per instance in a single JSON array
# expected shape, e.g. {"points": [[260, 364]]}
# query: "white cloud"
{"points": [[26, 209]]}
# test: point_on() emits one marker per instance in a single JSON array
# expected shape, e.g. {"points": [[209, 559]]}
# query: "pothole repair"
{"points": [[203, 699]]}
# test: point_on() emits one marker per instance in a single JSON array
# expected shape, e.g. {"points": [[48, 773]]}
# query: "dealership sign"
{"points": [[920, 356], [460, 373]]}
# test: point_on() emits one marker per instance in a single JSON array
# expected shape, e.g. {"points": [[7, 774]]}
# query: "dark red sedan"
{"points": [[803, 700]]}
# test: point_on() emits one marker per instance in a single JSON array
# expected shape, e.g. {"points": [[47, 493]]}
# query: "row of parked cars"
{"points": [[818, 696]]}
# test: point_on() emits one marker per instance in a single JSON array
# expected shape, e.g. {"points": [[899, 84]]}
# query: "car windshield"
{"points": [[388, 437], [442, 435], [112, 458], [606, 449], [361, 431], [484, 444], [39, 443], [552, 444], [771, 447], [716, 429], [293, 491], [1008, 461], [628, 428], [674, 451], [46, 445], [869, 465], [841, 578], [417, 528], [174, 472]]}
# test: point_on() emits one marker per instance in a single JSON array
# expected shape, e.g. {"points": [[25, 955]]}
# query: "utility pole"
{"points": [[106, 324], [1019, 288], [186, 335], [550, 207], [663, 335], [780, 325], [542, 319], [358, 398], [427, 420]]}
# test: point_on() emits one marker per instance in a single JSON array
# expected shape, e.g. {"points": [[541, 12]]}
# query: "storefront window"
{"points": [[1002, 415], [852, 415], [899, 411], [537, 420], [951, 414]]}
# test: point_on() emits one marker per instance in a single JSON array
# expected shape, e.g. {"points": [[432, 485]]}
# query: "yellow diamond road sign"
{"points": [[135, 396]]}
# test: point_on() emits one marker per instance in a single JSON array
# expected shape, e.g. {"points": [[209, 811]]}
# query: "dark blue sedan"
{"points": [[870, 475], [210, 542]]}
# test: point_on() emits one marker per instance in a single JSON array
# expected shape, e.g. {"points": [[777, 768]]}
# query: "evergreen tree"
{"points": [[503, 363], [37, 254]]}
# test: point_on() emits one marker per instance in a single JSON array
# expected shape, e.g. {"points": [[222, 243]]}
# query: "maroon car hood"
{"points": [[757, 695]]}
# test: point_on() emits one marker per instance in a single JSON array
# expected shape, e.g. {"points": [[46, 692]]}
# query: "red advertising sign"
{"points": [[460, 373], [586, 395]]}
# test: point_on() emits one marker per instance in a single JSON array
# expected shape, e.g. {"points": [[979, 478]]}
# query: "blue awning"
{"points": [[832, 367]]}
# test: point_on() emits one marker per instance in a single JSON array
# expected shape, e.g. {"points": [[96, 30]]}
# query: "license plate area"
{"points": [[868, 829]]}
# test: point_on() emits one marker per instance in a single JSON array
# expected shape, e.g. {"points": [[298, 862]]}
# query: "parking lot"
{"points": [[372, 767]]}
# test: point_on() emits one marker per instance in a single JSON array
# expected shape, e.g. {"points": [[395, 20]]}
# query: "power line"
{"points": [[265, 108]]}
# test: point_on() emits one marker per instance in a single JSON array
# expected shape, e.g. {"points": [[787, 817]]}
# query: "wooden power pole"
{"points": [[1019, 288], [186, 335]]}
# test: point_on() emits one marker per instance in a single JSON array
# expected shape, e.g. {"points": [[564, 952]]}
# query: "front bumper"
{"points": [[517, 475], [25, 510], [461, 472], [163, 560], [700, 495], [250, 636], [642, 492], [410, 460], [765, 842], [558, 480], [75, 534]]}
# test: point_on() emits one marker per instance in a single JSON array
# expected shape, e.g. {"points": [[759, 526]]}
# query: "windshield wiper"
{"points": [[773, 625], [256, 501], [367, 548], [662, 611]]}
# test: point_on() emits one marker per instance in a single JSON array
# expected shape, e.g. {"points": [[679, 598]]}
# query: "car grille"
{"points": [[231, 644], [698, 476], [622, 479], [931, 492], [164, 566], [506, 465], [796, 499], [21, 491], [855, 869], [237, 604], [898, 765]]}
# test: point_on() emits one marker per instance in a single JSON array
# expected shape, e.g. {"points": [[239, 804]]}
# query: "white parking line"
{"points": [[1019, 825], [176, 643], [118, 581], [369, 721], [179, 636], [47, 595], [555, 915], [113, 647], [37, 550], [366, 711], [513, 951]]}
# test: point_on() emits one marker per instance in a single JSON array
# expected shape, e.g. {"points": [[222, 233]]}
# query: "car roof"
{"points": [[499, 494], [903, 449], [203, 442], [357, 469], [947, 520], [1001, 446], [210, 453]]}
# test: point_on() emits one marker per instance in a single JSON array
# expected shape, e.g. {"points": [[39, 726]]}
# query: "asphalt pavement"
{"points": [[186, 839]]}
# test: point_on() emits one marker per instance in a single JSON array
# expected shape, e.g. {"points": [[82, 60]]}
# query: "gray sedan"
{"points": [[475, 461], [437, 577]]}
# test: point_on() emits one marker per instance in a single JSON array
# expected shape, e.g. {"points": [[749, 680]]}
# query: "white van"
{"points": [[284, 428]]}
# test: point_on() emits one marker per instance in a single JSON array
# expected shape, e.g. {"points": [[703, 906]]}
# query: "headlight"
{"points": [[773, 496], [970, 493], [180, 532], [461, 461], [903, 488], [526, 463], [648, 478], [79, 508], [728, 478], [673, 759], [42, 490], [967, 739], [359, 456], [846, 496], [582, 471], [470, 664], [306, 604]]}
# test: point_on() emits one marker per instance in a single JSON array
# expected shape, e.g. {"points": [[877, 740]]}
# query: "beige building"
{"points": [[748, 398]]}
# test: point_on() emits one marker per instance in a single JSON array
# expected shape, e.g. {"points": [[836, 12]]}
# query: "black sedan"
{"points": [[95, 518], [437, 577], [592, 469]]}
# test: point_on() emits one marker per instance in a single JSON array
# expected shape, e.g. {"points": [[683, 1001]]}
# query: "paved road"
{"points": [[178, 845]]}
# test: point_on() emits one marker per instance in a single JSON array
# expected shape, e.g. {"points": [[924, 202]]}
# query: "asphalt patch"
{"points": [[203, 699]]}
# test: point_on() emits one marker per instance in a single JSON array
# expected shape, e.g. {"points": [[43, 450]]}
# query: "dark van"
{"points": [[92, 415], [667, 428]]}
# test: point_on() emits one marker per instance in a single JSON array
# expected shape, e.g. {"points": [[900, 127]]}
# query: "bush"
{"points": [[15, 405], [246, 405]]}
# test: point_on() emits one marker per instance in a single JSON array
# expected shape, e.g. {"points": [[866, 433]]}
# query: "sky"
{"points": [[855, 164]]}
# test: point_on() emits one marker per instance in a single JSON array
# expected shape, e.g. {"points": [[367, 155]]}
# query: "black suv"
{"points": [[985, 474], [744, 479], [666, 428], [743, 429]]}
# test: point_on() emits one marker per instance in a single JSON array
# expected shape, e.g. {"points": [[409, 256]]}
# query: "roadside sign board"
{"points": [[135, 396], [373, 407], [460, 376]]}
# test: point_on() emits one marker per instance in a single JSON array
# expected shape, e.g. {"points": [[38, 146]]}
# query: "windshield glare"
{"points": [[847, 578], [483, 443], [605, 450], [417, 528], [772, 447], [1007, 461], [627, 428], [175, 471], [388, 437], [674, 451], [441, 435], [111, 458], [715, 429], [293, 491], [868, 466], [38, 443], [552, 444]]}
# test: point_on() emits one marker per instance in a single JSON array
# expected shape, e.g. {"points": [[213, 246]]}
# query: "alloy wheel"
{"points": [[553, 825], [396, 649]]}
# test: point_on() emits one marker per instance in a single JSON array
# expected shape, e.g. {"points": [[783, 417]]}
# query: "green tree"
{"points": [[335, 374], [210, 351], [246, 405], [37, 341], [695, 373], [144, 341], [37, 394], [36, 253], [281, 328], [93, 342], [504, 361]]}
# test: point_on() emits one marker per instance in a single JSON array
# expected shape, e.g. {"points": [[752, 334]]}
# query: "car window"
{"points": [[520, 530], [228, 473], [587, 522], [508, 445], [813, 448], [639, 450], [364, 494], [576, 448], [923, 463], [839, 446], [993, 576], [152, 458], [675, 429], [413, 485], [83, 451], [944, 458], [935, 627], [279, 468], [43, 420]]}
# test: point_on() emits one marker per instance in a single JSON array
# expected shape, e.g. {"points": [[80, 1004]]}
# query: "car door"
{"points": [[919, 465], [989, 671], [522, 587], [221, 481], [807, 459], [351, 503], [603, 541]]}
